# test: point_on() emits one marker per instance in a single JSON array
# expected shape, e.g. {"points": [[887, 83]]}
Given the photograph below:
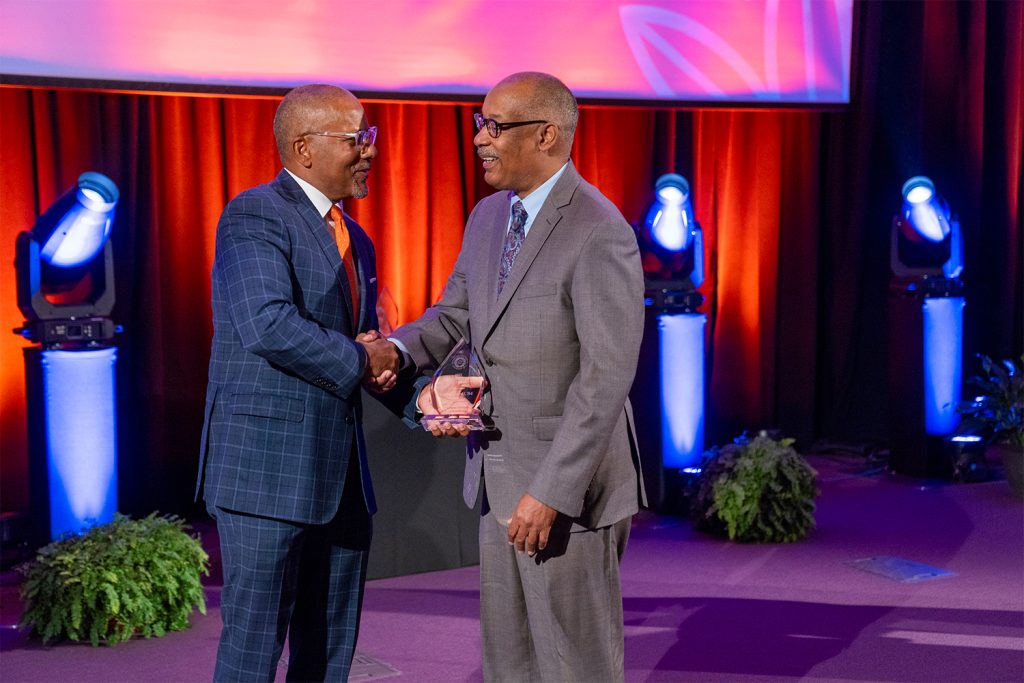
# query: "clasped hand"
{"points": [[382, 362]]}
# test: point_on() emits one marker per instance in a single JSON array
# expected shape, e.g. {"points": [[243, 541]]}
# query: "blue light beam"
{"points": [[81, 451], [681, 355], [943, 363]]}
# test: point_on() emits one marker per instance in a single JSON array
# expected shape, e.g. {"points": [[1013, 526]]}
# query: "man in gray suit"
{"points": [[282, 464], [548, 289]]}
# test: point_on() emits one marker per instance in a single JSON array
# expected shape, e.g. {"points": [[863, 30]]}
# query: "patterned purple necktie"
{"points": [[513, 242]]}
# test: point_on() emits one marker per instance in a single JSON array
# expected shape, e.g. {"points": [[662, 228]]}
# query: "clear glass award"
{"points": [[456, 389]]}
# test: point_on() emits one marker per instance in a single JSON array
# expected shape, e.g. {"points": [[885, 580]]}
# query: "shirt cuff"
{"points": [[406, 356]]}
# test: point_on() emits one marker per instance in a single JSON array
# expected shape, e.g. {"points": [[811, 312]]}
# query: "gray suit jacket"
{"points": [[560, 347]]}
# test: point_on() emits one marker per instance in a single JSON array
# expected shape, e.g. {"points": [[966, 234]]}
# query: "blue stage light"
{"points": [[671, 241], [75, 228], [672, 253], [670, 217], [67, 295], [918, 189], [924, 212], [65, 268], [925, 237], [926, 319]]}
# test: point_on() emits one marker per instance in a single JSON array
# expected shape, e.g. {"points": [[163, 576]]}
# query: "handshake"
{"points": [[383, 360], [445, 403]]}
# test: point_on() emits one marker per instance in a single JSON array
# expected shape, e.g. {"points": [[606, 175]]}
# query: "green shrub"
{"points": [[115, 580], [998, 406], [758, 490]]}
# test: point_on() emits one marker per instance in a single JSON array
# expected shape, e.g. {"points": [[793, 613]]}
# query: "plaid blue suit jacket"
{"points": [[283, 403]]}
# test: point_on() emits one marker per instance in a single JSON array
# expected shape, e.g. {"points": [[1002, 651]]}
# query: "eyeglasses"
{"points": [[494, 128], [363, 138]]}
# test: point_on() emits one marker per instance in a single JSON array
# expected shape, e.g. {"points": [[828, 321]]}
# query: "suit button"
{"points": [[489, 360], [348, 419]]}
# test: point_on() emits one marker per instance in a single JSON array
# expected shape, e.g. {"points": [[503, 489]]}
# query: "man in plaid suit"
{"points": [[283, 465]]}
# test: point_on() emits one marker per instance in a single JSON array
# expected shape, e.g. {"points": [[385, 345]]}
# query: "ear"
{"points": [[549, 135], [302, 152]]}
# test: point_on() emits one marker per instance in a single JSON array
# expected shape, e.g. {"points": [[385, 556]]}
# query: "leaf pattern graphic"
{"points": [[660, 39], [638, 22]]}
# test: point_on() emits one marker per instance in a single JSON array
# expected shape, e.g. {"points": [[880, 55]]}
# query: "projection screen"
{"points": [[767, 52]]}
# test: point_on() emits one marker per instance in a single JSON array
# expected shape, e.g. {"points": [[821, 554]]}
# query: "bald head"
{"points": [[315, 127], [544, 97], [307, 108]]}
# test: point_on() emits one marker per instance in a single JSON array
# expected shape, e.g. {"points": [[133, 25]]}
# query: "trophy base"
{"points": [[472, 421]]}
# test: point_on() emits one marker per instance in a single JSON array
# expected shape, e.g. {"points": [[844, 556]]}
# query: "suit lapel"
{"points": [[321, 233], [549, 216], [361, 249], [494, 251]]}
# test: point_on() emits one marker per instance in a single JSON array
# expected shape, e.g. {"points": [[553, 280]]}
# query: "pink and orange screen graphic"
{"points": [[746, 51]]}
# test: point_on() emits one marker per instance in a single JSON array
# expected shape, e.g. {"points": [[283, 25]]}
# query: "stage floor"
{"points": [[697, 608]]}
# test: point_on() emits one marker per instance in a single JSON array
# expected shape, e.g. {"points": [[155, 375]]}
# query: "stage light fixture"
{"points": [[670, 215], [66, 294], [74, 229], [672, 251], [925, 238], [925, 330], [671, 241]]}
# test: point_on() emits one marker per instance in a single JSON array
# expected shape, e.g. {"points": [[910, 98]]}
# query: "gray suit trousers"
{"points": [[555, 617]]}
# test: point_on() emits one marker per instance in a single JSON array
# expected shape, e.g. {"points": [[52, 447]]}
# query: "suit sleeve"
{"points": [[438, 330], [607, 295], [252, 262]]}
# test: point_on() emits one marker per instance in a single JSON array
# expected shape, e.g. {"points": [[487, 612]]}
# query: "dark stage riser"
{"points": [[421, 522]]}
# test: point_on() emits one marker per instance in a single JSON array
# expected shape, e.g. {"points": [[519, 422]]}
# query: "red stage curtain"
{"points": [[759, 200], [795, 207]]}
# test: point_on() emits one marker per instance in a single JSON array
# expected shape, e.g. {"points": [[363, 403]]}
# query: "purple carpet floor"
{"points": [[697, 608]]}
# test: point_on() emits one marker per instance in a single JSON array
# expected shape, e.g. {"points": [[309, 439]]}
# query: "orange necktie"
{"points": [[341, 238]]}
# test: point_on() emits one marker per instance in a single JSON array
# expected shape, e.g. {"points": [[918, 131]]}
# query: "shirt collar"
{"points": [[320, 201], [536, 199]]}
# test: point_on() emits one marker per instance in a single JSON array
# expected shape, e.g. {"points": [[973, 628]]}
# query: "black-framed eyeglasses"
{"points": [[363, 138], [494, 128]]}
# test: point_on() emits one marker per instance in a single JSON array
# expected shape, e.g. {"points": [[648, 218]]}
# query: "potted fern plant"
{"points": [[997, 411], [756, 490], [116, 580]]}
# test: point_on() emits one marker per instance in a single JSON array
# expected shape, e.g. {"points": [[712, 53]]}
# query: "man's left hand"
{"points": [[530, 525]]}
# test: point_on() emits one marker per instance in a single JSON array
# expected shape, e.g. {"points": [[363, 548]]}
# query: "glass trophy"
{"points": [[456, 388]]}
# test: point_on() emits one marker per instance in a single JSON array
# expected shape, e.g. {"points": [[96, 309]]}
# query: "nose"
{"points": [[482, 137], [368, 152]]}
